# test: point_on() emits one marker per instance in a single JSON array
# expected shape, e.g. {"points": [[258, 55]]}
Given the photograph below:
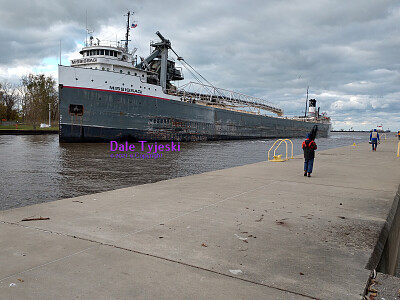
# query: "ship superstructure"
{"points": [[108, 95]]}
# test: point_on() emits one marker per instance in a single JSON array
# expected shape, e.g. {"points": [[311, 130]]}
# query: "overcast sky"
{"points": [[347, 52]]}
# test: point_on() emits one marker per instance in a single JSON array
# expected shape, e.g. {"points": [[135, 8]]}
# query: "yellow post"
{"points": [[398, 149]]}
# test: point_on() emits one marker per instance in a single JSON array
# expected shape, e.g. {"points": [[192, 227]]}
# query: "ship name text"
{"points": [[83, 61], [124, 89]]}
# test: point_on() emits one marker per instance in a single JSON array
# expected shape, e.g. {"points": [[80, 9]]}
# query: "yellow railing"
{"points": [[398, 149], [279, 158]]}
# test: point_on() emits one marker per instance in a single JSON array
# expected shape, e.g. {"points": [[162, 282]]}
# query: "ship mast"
{"points": [[305, 112], [127, 32]]}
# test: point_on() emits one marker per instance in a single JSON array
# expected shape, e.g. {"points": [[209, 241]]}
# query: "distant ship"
{"points": [[108, 95]]}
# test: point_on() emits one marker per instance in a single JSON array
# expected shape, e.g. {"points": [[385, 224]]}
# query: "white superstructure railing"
{"points": [[193, 92]]}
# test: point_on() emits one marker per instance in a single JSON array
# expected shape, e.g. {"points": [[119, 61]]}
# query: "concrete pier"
{"points": [[260, 231]]}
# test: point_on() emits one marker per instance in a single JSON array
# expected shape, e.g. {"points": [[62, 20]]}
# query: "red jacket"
{"points": [[309, 147]]}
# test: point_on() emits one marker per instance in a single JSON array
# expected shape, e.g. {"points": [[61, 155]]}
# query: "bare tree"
{"points": [[23, 107], [9, 97]]}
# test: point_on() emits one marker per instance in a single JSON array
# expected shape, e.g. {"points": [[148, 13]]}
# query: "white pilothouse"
{"points": [[106, 56]]}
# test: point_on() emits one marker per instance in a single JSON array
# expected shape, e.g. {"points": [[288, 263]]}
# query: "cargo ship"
{"points": [[107, 95]]}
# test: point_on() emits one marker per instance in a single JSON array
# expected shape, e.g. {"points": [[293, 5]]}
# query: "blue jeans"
{"points": [[308, 165], [374, 143]]}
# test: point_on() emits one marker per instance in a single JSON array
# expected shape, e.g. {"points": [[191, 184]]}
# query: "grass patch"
{"points": [[26, 127]]}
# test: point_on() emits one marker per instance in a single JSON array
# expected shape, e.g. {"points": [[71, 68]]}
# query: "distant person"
{"points": [[309, 147], [374, 138]]}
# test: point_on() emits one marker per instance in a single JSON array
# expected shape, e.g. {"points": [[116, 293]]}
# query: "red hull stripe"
{"points": [[126, 93]]}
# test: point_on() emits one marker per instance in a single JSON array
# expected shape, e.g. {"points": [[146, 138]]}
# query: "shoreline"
{"points": [[27, 131]]}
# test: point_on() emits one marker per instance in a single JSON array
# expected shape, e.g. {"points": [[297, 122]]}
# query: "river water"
{"points": [[35, 169]]}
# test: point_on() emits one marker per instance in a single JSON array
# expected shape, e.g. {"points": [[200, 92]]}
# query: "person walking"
{"points": [[309, 147], [374, 138]]}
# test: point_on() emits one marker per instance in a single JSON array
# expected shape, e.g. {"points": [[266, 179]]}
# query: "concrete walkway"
{"points": [[260, 231]]}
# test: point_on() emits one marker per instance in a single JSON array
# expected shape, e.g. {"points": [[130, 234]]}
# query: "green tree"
{"points": [[40, 90]]}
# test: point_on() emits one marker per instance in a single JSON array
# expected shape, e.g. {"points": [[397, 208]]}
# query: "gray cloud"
{"points": [[347, 52]]}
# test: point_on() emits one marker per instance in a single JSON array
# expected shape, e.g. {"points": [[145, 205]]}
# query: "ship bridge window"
{"points": [[102, 52], [107, 52], [97, 52], [111, 53], [115, 54]]}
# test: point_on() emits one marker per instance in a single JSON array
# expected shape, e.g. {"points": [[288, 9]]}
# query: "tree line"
{"points": [[28, 101]]}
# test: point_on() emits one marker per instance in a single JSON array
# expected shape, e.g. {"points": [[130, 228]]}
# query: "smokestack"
{"points": [[311, 107]]}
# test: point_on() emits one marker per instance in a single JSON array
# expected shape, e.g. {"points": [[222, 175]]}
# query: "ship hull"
{"points": [[103, 115]]}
